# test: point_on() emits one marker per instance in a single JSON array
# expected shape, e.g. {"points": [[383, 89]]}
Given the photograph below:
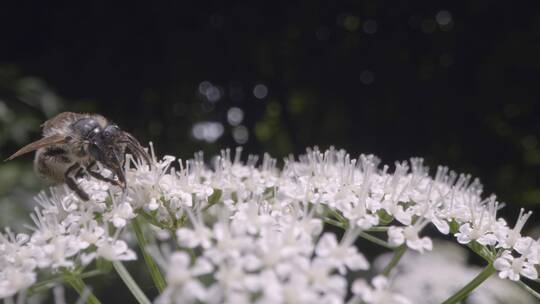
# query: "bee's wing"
{"points": [[60, 120], [44, 142]]}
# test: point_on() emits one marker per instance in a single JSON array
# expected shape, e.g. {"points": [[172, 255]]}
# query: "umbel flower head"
{"points": [[240, 232]]}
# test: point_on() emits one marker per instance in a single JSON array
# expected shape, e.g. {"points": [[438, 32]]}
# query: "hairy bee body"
{"points": [[74, 143], [51, 162]]}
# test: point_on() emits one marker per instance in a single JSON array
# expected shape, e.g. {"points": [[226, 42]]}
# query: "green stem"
{"points": [[377, 229], [467, 289], [533, 292], [78, 284], [369, 237], [45, 284], [398, 253], [334, 223], [337, 215], [153, 221], [375, 240], [130, 283], [156, 275], [482, 251]]}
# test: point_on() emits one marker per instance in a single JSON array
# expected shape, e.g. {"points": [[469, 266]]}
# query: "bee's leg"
{"points": [[99, 176], [70, 182]]}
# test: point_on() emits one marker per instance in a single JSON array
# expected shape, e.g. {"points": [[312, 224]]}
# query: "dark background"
{"points": [[456, 83]]}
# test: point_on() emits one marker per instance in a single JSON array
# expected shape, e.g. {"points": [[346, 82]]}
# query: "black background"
{"points": [[463, 93]]}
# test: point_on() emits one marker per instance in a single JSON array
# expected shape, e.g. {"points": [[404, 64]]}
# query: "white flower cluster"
{"points": [[433, 276], [68, 233], [248, 233]]}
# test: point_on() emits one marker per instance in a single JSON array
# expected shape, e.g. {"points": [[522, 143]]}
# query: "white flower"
{"points": [[98, 190], [183, 286], [111, 250], [409, 235], [468, 233], [379, 294], [478, 229], [191, 238], [424, 278], [529, 248], [13, 279], [261, 239], [120, 214], [513, 236], [340, 255], [320, 274], [228, 245], [511, 267], [91, 234], [59, 250]]}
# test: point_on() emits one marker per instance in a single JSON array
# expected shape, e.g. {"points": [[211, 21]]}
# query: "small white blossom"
{"points": [[340, 255], [512, 237], [120, 215], [409, 235], [183, 286], [512, 268], [111, 250], [14, 279], [481, 228], [200, 235], [380, 293]]}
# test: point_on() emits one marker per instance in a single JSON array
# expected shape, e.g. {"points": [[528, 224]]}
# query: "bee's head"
{"points": [[107, 148]]}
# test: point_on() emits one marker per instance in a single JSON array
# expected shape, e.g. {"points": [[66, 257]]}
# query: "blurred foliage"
{"points": [[24, 102]]}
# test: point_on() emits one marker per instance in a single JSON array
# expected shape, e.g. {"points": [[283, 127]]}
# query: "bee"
{"points": [[73, 144]]}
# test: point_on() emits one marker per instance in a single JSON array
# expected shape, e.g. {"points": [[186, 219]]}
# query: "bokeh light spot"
{"points": [[210, 92], [260, 91], [208, 131], [235, 116], [240, 134], [443, 18]]}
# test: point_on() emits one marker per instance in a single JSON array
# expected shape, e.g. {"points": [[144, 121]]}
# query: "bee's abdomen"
{"points": [[52, 162], [57, 152]]}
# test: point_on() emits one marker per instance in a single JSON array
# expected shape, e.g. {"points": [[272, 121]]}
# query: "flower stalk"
{"points": [[398, 253], [375, 240], [151, 265], [527, 288], [467, 289], [78, 284], [130, 283]]}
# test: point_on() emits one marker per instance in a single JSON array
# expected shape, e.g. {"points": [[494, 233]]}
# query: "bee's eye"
{"points": [[111, 131]]}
